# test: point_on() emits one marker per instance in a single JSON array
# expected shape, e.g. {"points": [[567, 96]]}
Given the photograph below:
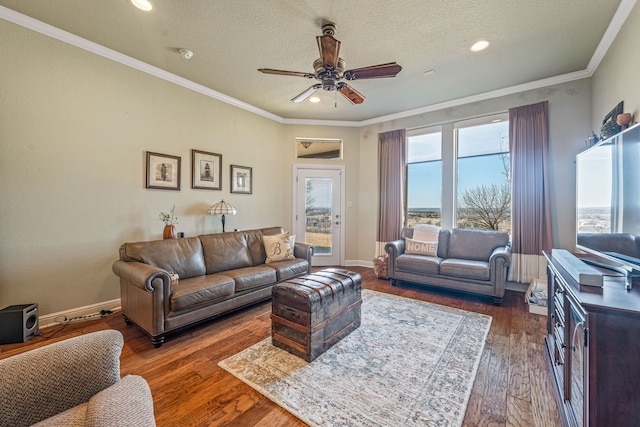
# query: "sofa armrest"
{"points": [[126, 403], [393, 249], [43, 382], [142, 275], [501, 254], [303, 250], [499, 261]]}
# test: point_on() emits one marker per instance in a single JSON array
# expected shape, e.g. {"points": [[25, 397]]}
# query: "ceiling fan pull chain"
{"points": [[335, 99]]}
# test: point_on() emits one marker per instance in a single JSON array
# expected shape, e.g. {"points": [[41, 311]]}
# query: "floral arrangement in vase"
{"points": [[170, 221]]}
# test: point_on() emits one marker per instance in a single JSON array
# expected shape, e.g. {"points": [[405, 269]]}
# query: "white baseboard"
{"points": [[89, 310], [358, 263]]}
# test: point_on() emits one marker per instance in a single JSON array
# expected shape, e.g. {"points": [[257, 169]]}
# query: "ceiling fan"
{"points": [[329, 70]]}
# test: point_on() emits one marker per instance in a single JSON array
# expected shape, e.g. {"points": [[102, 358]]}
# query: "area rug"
{"points": [[410, 363]]}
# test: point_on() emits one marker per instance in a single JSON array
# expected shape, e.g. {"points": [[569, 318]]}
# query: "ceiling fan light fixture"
{"points": [[306, 94], [479, 46], [329, 70], [314, 99], [142, 4]]}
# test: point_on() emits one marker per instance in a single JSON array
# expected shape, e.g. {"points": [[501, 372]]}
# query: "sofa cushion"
{"points": [[202, 289], [256, 246], [426, 232], [470, 269], [418, 264], [442, 239], [418, 247], [225, 251], [279, 247], [252, 277], [181, 256], [285, 270], [477, 245]]}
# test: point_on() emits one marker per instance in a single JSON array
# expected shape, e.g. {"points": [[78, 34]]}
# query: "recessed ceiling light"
{"points": [[186, 53], [314, 99], [496, 120], [479, 45], [429, 72], [142, 4]]}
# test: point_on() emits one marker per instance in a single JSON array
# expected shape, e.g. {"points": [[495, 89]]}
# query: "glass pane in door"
{"points": [[318, 203]]}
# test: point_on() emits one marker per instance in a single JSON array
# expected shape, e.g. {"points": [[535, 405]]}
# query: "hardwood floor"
{"points": [[512, 387]]}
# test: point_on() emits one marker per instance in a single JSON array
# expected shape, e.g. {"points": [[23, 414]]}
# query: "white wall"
{"points": [[73, 135], [617, 77]]}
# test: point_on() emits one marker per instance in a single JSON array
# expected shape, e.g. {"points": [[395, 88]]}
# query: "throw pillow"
{"points": [[418, 247], [426, 233], [279, 247]]}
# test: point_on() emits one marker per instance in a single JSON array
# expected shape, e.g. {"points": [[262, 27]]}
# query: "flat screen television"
{"points": [[608, 201]]}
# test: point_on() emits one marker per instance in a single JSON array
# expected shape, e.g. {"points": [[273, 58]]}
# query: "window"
{"points": [[458, 175], [424, 178], [483, 172]]}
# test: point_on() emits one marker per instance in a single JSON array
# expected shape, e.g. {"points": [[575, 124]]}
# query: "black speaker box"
{"points": [[18, 323]]}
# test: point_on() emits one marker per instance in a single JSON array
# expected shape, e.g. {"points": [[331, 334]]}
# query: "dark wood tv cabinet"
{"points": [[593, 349]]}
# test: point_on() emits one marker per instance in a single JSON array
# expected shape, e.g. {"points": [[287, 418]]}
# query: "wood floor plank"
{"points": [[519, 385], [190, 389], [494, 402], [519, 412], [543, 406]]}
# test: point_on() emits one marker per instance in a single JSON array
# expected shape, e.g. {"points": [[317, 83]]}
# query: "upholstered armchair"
{"points": [[75, 382]]}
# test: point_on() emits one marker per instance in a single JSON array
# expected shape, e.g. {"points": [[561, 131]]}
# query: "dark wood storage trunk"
{"points": [[313, 312]]}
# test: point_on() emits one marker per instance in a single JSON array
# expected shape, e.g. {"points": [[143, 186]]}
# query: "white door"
{"points": [[318, 204]]}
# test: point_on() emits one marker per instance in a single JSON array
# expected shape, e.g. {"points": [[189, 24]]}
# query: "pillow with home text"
{"points": [[419, 247]]}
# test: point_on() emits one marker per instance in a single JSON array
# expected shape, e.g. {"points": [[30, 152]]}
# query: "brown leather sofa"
{"points": [[467, 260], [216, 274]]}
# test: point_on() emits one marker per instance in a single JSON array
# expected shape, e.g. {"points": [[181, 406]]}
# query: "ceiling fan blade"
{"points": [[351, 94], [285, 73], [307, 93], [390, 69], [329, 50]]}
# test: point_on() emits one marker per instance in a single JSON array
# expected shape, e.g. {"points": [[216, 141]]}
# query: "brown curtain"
{"points": [[392, 157], [530, 210]]}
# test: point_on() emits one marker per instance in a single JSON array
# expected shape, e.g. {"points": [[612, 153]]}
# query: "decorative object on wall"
{"points": [[591, 140], [170, 221], [163, 171], [206, 170], [609, 129], [222, 208], [609, 125], [624, 120], [241, 179]]}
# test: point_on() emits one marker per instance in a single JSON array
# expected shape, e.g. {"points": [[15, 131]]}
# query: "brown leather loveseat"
{"points": [[168, 284], [467, 260]]}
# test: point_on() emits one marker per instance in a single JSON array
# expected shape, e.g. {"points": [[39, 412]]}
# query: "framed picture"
{"points": [[613, 114], [163, 171], [241, 179], [206, 170]]}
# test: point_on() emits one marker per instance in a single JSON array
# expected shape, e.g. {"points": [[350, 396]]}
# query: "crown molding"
{"points": [[82, 43], [614, 27], [624, 9]]}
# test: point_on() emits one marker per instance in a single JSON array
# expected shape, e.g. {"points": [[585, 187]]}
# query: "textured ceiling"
{"points": [[231, 39]]}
